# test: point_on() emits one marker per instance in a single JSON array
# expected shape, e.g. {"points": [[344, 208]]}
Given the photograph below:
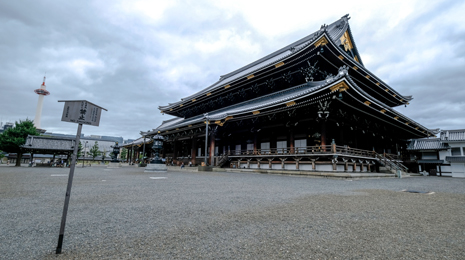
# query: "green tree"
{"points": [[2, 155], [104, 154], [79, 154], [12, 139], [94, 152], [124, 153]]}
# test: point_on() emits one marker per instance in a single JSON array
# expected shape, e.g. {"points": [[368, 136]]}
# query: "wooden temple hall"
{"points": [[311, 105]]}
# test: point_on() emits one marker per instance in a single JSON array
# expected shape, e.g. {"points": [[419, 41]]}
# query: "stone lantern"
{"points": [[114, 163], [115, 152], [156, 165]]}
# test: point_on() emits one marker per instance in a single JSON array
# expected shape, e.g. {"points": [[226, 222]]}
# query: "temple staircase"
{"points": [[222, 160], [391, 164]]}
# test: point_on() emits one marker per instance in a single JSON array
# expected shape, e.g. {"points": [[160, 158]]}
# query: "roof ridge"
{"points": [[301, 43]]}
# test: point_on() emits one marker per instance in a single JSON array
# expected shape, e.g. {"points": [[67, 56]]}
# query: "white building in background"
{"points": [[443, 156], [455, 156]]}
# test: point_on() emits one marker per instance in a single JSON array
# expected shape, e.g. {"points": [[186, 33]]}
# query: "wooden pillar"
{"points": [[354, 168], [193, 149], [212, 148], [175, 150], [346, 166], [255, 143], [269, 163], [341, 136], [313, 165], [291, 141], [323, 135], [297, 164], [369, 167], [32, 158], [258, 162], [248, 163]]}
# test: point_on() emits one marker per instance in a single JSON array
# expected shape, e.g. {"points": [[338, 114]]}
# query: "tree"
{"points": [[12, 139], [1, 156], [94, 152], [103, 153], [79, 154], [124, 153]]}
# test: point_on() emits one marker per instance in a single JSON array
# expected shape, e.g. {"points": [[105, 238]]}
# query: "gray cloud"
{"points": [[130, 63]]}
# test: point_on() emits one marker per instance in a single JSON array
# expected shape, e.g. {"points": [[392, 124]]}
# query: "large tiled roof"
{"points": [[250, 105], [334, 31], [427, 144], [137, 142], [49, 143], [296, 93], [452, 135]]}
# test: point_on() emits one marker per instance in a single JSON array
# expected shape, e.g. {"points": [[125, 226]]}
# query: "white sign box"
{"points": [[81, 112]]}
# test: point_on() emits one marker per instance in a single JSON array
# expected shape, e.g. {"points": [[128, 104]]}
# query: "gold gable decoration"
{"points": [[290, 103], [323, 41], [221, 123], [341, 86], [345, 40]]}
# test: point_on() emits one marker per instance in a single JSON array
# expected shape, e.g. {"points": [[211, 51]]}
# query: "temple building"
{"points": [[311, 105], [443, 156]]}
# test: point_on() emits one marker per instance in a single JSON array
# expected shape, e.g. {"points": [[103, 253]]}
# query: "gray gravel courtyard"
{"points": [[124, 214]]}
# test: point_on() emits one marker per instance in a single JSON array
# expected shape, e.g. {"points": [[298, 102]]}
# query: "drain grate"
{"points": [[415, 191]]}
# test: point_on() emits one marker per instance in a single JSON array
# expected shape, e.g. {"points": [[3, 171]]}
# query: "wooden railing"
{"points": [[308, 150]]}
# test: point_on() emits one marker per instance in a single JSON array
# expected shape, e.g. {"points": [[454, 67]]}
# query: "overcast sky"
{"points": [[132, 56]]}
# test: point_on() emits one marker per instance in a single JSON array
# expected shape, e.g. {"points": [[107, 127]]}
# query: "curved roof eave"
{"points": [[373, 100], [333, 33], [368, 72]]}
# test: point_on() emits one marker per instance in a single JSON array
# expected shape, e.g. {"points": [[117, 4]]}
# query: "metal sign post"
{"points": [[81, 112]]}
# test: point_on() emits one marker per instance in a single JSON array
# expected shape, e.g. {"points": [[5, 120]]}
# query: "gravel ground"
{"points": [[124, 214]]}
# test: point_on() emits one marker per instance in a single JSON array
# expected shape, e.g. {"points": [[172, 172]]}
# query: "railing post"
{"points": [[333, 146]]}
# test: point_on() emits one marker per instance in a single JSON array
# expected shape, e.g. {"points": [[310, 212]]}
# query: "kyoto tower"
{"points": [[41, 92]]}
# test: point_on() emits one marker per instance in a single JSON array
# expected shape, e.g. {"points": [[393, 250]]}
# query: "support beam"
{"points": [[323, 135], [212, 148], [194, 149]]}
